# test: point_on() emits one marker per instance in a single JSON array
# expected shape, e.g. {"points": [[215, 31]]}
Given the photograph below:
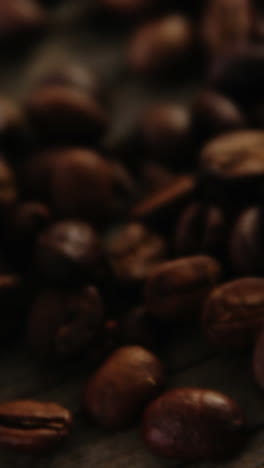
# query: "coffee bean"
{"points": [[69, 253], [234, 313], [226, 24], [234, 164], [133, 251], [194, 424], [62, 323], [246, 244], [65, 115], [177, 290], [119, 390], [201, 229], [20, 17], [75, 183], [30, 426], [258, 360], [213, 114], [160, 45]]}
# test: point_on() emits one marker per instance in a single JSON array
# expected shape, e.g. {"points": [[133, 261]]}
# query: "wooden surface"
{"points": [[189, 360]]}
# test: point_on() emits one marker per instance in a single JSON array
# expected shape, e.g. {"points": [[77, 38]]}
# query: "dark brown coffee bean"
{"points": [[133, 250], [118, 391], [75, 183], [225, 24], [214, 114], [69, 253], [177, 290], [200, 229], [13, 305], [258, 360], [62, 324], [160, 45], [165, 131], [194, 424], [30, 426], [166, 201], [234, 164], [239, 74], [137, 328], [20, 17], [246, 243], [65, 115], [234, 313]]}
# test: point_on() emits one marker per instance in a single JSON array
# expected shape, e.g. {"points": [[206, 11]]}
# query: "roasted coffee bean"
{"points": [[226, 24], [133, 251], [160, 45], [234, 313], [177, 290], [246, 243], [20, 17], [239, 74], [213, 114], [165, 131], [75, 183], [118, 391], [166, 202], [201, 229], [232, 166], [62, 323], [30, 426], [137, 328], [194, 424], [258, 360], [13, 305], [69, 253], [65, 115]]}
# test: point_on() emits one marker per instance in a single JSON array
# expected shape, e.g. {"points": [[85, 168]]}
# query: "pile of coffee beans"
{"points": [[109, 244]]}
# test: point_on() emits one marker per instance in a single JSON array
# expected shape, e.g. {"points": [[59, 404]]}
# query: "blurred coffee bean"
{"points": [[69, 253], [62, 324], [165, 132], [161, 45], [246, 243], [234, 313], [118, 391], [232, 166], [13, 305], [177, 290], [133, 250], [166, 203], [239, 74], [194, 424], [137, 328], [201, 229], [19, 18], [258, 360], [61, 114], [226, 24], [75, 183], [213, 114]]}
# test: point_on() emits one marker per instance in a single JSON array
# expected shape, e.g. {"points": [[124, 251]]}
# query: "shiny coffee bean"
{"points": [[20, 17], [194, 424], [246, 243], [233, 166], [226, 24], [137, 328], [234, 312], [133, 250], [165, 131], [177, 290], [239, 74], [61, 114], [75, 183], [213, 114], [201, 229], [118, 391], [258, 360], [69, 253], [30, 427], [160, 45], [63, 323]]}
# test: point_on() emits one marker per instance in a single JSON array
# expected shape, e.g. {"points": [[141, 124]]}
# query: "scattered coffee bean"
{"points": [[30, 426], [194, 424], [234, 312], [177, 290], [118, 391]]}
